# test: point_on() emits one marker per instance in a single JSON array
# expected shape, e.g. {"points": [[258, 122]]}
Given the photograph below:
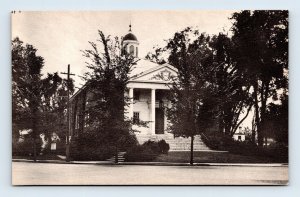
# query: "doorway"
{"points": [[159, 120]]}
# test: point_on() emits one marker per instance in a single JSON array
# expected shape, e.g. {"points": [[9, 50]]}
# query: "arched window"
{"points": [[136, 49], [131, 50]]}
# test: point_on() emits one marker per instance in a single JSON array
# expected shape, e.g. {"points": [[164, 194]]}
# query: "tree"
{"points": [[53, 105], [233, 93], [38, 103], [109, 68], [191, 93], [26, 89], [261, 52]]}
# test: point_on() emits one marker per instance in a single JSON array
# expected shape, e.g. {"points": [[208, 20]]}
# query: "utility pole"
{"points": [[68, 114]]}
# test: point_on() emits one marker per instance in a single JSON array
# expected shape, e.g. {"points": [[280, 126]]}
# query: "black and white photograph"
{"points": [[147, 97]]}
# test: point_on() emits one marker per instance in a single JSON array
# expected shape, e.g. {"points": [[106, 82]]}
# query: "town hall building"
{"points": [[148, 85]]}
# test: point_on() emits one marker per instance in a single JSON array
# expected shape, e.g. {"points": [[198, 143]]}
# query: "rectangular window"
{"points": [[136, 117]]}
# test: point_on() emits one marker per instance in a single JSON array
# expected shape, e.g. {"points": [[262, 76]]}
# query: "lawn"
{"points": [[211, 157], [184, 157], [39, 157]]}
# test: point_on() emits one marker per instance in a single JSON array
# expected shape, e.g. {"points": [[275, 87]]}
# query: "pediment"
{"points": [[163, 73]]}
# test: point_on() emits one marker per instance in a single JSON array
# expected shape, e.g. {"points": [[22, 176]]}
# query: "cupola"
{"points": [[130, 43]]}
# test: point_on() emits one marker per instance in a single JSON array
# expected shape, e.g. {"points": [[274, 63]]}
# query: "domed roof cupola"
{"points": [[130, 36], [130, 43]]}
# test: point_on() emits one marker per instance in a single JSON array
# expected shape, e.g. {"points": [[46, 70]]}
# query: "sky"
{"points": [[60, 36]]}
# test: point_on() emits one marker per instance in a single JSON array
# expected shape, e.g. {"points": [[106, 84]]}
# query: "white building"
{"points": [[240, 135], [148, 85]]}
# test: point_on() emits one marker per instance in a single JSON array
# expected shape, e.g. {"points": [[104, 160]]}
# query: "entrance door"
{"points": [[159, 121]]}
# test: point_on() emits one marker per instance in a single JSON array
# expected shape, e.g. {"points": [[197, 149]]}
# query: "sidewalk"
{"points": [[154, 163]]}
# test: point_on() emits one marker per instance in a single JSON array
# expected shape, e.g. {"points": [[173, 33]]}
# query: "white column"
{"points": [[153, 111], [130, 112]]}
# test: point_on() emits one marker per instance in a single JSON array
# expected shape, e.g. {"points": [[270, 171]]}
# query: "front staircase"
{"points": [[176, 144], [121, 158]]}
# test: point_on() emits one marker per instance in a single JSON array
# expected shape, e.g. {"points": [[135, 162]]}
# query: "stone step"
{"points": [[121, 157], [176, 144]]}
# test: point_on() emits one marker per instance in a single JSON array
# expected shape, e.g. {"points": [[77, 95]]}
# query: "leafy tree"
{"points": [[109, 68], [53, 105], [234, 100], [209, 87], [26, 91], [156, 55], [192, 92], [38, 103], [261, 52]]}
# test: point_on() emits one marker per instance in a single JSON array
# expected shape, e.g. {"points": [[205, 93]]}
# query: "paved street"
{"points": [[26, 173]]}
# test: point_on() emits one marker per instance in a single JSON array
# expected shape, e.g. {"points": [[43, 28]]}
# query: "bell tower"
{"points": [[130, 43]]}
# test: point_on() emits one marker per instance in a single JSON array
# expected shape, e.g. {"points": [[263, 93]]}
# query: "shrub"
{"points": [[87, 149], [216, 140], [147, 151], [163, 146], [140, 153], [91, 153], [60, 147], [276, 152], [128, 142], [152, 145], [98, 145], [25, 147]]}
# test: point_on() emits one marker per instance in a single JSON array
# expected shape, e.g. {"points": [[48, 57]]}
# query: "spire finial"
{"points": [[130, 26]]}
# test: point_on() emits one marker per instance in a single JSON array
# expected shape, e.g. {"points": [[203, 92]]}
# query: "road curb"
{"points": [[155, 163]]}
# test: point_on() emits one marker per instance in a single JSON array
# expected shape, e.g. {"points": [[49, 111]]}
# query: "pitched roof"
{"points": [[144, 67]]}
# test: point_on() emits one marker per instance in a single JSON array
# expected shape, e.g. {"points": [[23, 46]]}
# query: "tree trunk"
{"points": [[253, 130], [253, 136], [264, 96], [34, 147], [34, 132], [192, 150], [257, 120], [116, 155]]}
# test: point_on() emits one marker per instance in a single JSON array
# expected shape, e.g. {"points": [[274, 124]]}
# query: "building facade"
{"points": [[148, 86]]}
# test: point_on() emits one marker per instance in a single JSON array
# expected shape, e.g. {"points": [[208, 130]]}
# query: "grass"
{"points": [[212, 157], [184, 157], [39, 157]]}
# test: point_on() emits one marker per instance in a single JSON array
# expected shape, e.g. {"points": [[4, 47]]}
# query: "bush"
{"points": [[163, 146], [99, 145], [25, 147], [152, 145], [244, 148], [60, 147], [86, 149], [128, 142], [140, 153], [216, 140], [91, 153], [277, 152], [147, 151]]}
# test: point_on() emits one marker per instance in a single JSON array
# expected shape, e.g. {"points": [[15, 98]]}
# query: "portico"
{"points": [[147, 104]]}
